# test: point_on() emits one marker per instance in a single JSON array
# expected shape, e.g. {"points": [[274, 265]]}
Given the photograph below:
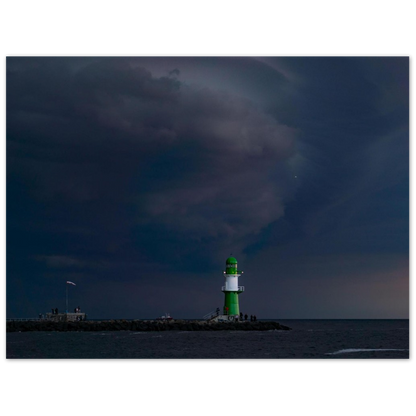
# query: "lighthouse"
{"points": [[231, 289]]}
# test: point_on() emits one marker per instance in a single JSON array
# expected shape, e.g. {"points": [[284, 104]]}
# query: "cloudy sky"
{"points": [[136, 178]]}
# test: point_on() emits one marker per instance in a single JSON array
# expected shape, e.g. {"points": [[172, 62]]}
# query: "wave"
{"points": [[351, 350]]}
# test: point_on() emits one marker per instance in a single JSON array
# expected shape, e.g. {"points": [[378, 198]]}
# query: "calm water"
{"points": [[330, 339]]}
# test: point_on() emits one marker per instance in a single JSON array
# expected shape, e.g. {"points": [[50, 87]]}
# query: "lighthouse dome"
{"points": [[231, 260]]}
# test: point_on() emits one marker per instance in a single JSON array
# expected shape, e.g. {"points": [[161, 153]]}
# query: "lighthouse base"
{"points": [[231, 303], [224, 318]]}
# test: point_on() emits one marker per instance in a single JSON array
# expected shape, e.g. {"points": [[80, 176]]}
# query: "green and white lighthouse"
{"points": [[231, 289]]}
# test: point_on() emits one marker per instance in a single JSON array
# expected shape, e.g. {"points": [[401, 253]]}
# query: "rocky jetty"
{"points": [[141, 325]]}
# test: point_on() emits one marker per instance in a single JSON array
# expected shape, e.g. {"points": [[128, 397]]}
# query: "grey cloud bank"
{"points": [[138, 176]]}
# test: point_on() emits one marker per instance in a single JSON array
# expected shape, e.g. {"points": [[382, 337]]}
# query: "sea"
{"points": [[308, 339]]}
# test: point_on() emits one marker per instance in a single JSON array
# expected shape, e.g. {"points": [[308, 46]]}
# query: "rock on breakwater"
{"points": [[140, 325]]}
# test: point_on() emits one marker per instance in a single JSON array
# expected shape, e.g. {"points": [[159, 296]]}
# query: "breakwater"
{"points": [[140, 325]]}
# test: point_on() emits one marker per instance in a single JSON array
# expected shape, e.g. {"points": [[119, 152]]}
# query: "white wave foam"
{"points": [[350, 350]]}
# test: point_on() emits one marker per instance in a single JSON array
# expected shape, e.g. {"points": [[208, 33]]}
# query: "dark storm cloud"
{"points": [[126, 173], [353, 150], [213, 155]]}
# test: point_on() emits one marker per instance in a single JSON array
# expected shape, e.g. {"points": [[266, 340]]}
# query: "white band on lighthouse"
{"points": [[231, 282]]}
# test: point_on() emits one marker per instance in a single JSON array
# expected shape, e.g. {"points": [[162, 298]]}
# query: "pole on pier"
{"points": [[68, 283]]}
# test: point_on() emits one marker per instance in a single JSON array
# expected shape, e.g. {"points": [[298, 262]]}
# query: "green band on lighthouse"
{"points": [[231, 302]]}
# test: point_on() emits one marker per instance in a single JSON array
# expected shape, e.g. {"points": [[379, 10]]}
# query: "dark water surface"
{"points": [[308, 339]]}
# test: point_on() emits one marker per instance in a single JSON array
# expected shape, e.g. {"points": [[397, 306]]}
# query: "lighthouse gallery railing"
{"points": [[239, 289]]}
